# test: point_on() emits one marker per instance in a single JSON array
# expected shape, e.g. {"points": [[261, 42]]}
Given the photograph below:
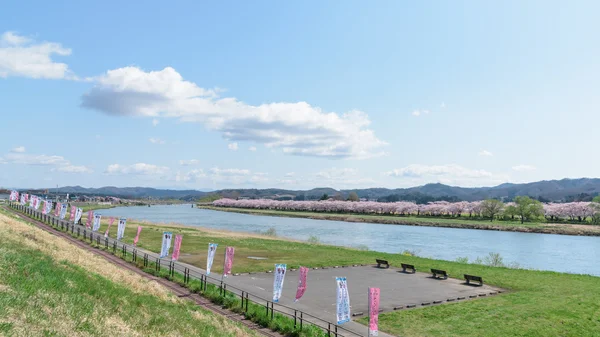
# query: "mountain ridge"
{"points": [[566, 189]]}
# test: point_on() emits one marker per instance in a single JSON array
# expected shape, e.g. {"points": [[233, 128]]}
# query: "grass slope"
{"points": [[538, 304], [44, 292]]}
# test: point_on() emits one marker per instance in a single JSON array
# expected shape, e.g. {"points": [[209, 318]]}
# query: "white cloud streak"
{"points": [[156, 141], [523, 168], [295, 128], [18, 149], [20, 56], [137, 169], [189, 162], [233, 146], [485, 153]]}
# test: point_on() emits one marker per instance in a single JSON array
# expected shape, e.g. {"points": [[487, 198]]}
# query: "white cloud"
{"points": [[156, 141], [522, 168], [443, 105], [155, 122], [485, 153], [340, 178], [252, 148], [290, 174], [58, 163], [191, 176], [21, 56], [137, 169], [232, 146], [418, 113], [416, 170], [18, 149], [230, 172], [75, 169], [189, 162], [295, 128], [451, 174]]}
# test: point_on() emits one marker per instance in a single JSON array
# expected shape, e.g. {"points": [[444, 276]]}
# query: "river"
{"points": [[562, 253]]}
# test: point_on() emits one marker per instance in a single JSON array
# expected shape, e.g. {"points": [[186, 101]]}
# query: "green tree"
{"points": [[324, 197], [596, 199], [491, 208], [353, 196], [528, 208]]}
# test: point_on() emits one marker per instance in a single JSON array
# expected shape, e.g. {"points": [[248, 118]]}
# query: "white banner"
{"points": [[166, 244], [48, 207], [343, 300], [14, 195], [121, 228], [212, 249], [280, 270], [63, 211], [96, 225], [78, 214]]}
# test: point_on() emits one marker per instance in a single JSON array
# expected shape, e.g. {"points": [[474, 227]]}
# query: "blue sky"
{"points": [[345, 94]]}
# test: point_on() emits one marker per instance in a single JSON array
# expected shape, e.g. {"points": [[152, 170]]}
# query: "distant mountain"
{"points": [[550, 190]]}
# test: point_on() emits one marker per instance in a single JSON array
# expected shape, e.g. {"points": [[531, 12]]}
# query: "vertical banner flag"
{"points": [[212, 249], [301, 283], [13, 195], [48, 207], [280, 270], [228, 261], [177, 247], [373, 311], [88, 222], [121, 229], [72, 217], [31, 200], [166, 244], [57, 209], [22, 201], [63, 211], [45, 208], [137, 236], [96, 226], [78, 214], [26, 198], [110, 222], [343, 300], [38, 201]]}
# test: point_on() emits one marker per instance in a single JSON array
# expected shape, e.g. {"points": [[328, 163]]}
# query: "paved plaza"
{"points": [[398, 290]]}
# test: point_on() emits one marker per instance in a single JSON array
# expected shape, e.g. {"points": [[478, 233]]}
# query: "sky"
{"points": [[297, 95]]}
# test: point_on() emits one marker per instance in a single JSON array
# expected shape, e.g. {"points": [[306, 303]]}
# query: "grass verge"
{"points": [[45, 291]]}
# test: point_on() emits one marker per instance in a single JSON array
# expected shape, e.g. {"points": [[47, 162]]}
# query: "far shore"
{"points": [[541, 228]]}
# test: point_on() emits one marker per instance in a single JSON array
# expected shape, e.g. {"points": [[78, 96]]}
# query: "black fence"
{"points": [[188, 272]]}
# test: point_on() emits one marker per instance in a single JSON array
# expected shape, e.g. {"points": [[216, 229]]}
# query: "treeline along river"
{"points": [[562, 253]]}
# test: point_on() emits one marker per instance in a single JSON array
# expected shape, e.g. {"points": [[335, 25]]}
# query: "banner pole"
{"points": [[369, 308]]}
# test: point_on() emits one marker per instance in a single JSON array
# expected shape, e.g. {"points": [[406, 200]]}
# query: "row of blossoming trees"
{"points": [[524, 208]]}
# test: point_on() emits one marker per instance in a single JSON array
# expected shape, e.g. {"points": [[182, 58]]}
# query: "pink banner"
{"points": [[177, 247], [373, 311], [110, 222], [44, 210], [137, 236], [57, 209], [88, 223], [301, 283], [228, 261], [73, 209]]}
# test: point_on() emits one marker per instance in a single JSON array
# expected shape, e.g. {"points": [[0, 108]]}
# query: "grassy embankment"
{"points": [[462, 222], [49, 287], [538, 304]]}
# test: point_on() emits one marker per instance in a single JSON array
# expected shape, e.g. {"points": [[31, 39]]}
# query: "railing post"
{"points": [[158, 264], [301, 319], [106, 243], [246, 301], [124, 251], [134, 255], [272, 310], [78, 231], [145, 260], [295, 317], [267, 308], [114, 247], [328, 329]]}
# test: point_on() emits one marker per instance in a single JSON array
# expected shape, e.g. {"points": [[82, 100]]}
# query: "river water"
{"points": [[562, 253]]}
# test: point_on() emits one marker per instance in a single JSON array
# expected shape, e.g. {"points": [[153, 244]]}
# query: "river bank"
{"points": [[538, 303], [541, 228]]}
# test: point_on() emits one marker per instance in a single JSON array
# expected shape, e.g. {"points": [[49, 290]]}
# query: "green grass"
{"points": [[537, 304], [93, 207], [42, 297]]}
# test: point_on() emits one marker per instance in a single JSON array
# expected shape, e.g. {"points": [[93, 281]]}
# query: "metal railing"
{"points": [[188, 273]]}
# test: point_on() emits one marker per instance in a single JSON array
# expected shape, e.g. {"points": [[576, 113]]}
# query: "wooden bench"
{"points": [[408, 266], [470, 278], [382, 262], [441, 273]]}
